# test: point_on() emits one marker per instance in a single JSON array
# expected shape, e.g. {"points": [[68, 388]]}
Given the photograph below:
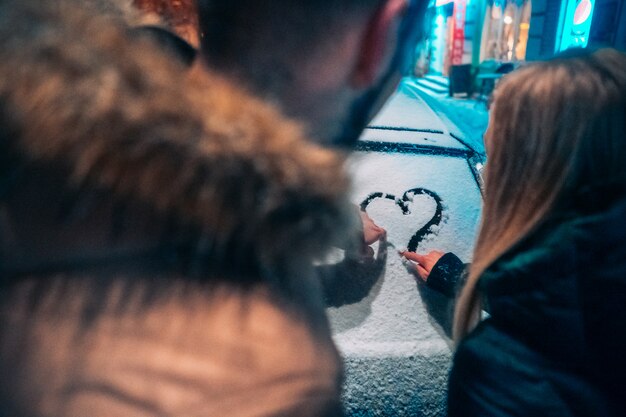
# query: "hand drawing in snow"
{"points": [[403, 203]]}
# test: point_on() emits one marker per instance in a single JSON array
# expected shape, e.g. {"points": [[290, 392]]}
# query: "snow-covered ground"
{"points": [[415, 174]]}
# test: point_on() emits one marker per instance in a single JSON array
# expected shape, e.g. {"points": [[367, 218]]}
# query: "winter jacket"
{"points": [[555, 339], [448, 275], [156, 235]]}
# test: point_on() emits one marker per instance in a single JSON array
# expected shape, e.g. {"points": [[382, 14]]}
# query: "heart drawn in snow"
{"points": [[403, 203]]}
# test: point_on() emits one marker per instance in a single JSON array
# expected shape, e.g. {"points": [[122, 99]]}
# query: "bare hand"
{"points": [[371, 232], [424, 264], [366, 253]]}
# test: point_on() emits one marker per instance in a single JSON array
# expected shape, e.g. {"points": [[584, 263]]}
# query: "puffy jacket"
{"points": [[555, 339]]}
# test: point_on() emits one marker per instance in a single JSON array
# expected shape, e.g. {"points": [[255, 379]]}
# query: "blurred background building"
{"points": [[475, 41]]}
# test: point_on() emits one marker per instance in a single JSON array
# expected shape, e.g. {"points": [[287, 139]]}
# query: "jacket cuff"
{"points": [[446, 275]]}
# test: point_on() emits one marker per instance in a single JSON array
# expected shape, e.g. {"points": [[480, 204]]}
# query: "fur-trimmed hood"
{"points": [[84, 109], [126, 186]]}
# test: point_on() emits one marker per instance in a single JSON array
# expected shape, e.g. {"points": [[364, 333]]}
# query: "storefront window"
{"points": [[505, 30]]}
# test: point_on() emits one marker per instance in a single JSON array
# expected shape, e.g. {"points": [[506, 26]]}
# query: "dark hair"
{"points": [[242, 32]]}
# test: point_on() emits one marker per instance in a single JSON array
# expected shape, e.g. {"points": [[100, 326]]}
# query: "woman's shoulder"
{"points": [[496, 374]]}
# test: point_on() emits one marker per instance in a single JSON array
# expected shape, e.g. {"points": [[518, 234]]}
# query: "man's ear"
{"points": [[378, 43]]}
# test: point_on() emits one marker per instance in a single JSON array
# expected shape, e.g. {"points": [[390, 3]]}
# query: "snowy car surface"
{"points": [[417, 177]]}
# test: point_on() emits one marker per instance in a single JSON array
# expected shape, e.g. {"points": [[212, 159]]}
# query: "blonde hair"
{"points": [[556, 128]]}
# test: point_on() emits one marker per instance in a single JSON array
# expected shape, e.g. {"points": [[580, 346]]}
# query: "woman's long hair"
{"points": [[556, 127]]}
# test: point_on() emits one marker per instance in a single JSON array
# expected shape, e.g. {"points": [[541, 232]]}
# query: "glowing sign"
{"points": [[576, 24], [458, 36]]}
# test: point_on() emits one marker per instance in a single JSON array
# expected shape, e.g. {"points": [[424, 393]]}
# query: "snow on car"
{"points": [[416, 175]]}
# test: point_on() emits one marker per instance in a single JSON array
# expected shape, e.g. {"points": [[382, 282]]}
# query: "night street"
{"points": [[278, 208], [414, 157]]}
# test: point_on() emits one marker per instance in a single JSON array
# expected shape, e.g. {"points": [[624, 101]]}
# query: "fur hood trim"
{"points": [[118, 115]]}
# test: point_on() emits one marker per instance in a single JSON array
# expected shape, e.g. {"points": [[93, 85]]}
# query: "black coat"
{"points": [[555, 341]]}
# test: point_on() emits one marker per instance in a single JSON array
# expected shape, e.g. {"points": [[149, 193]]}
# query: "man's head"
{"points": [[329, 63]]}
